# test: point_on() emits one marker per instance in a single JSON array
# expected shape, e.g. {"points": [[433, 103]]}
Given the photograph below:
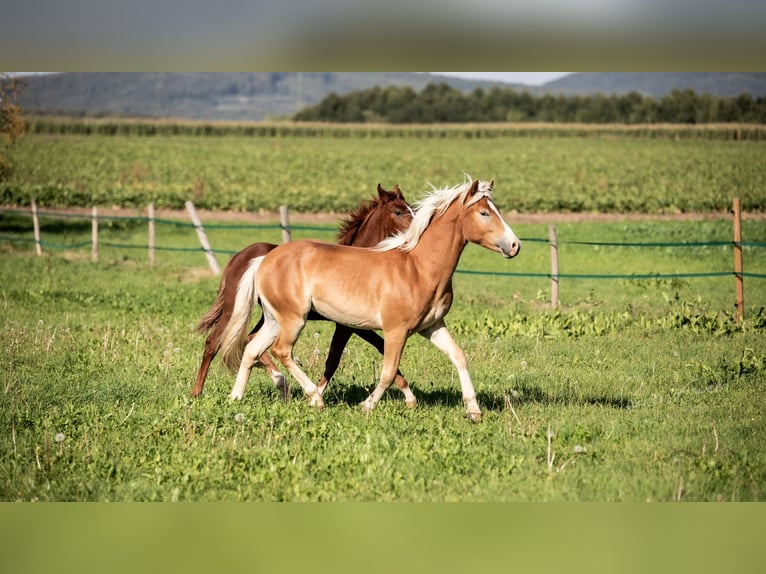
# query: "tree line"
{"points": [[438, 103]]}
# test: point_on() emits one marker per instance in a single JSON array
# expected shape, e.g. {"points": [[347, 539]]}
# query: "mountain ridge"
{"points": [[256, 96]]}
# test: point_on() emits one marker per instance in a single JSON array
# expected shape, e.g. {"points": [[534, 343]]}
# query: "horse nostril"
{"points": [[514, 248]]}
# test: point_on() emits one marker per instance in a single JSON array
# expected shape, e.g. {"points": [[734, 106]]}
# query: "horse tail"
{"points": [[213, 314], [234, 337]]}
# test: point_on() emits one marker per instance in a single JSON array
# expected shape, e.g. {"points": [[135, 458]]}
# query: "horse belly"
{"points": [[341, 287], [346, 312]]}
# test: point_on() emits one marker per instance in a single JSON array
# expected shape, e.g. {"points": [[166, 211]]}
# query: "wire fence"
{"points": [[737, 243]]}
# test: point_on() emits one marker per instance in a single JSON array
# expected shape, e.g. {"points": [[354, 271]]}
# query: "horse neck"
{"points": [[441, 245], [362, 228], [373, 229]]}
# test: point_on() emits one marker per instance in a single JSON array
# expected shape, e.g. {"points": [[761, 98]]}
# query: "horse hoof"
{"points": [[366, 406], [474, 417], [411, 404], [316, 402]]}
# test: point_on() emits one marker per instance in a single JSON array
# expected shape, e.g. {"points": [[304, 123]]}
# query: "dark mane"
{"points": [[350, 226]]}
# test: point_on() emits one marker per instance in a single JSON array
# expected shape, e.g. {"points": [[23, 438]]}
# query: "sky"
{"points": [[234, 35], [528, 78]]}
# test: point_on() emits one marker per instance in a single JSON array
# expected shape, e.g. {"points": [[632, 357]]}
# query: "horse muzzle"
{"points": [[509, 248]]}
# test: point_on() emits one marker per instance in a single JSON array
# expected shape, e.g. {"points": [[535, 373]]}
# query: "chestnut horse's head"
{"points": [[377, 219], [483, 224]]}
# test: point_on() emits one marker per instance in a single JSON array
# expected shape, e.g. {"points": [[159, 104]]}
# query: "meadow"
{"points": [[635, 390]]}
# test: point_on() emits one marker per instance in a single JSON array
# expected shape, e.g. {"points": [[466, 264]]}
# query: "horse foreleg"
{"points": [[442, 339], [392, 354], [339, 341], [377, 341]]}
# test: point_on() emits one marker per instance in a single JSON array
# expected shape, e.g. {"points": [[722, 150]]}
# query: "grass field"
{"points": [[605, 174], [636, 390]]}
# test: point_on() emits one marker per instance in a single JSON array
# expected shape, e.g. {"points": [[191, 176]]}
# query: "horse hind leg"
{"points": [[211, 349], [282, 349], [268, 365], [252, 355], [213, 344]]}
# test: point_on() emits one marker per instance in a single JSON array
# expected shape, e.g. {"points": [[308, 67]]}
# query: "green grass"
{"points": [[332, 174], [634, 391]]}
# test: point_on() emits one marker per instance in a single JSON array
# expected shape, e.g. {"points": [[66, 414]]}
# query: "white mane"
{"points": [[435, 203]]}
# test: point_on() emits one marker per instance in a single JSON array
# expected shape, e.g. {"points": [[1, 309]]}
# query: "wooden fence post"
{"points": [[553, 240], [738, 277], [151, 234], [284, 223], [94, 234], [203, 238], [36, 227]]}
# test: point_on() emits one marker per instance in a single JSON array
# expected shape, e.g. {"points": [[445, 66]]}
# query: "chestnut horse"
{"points": [[372, 222], [402, 286]]}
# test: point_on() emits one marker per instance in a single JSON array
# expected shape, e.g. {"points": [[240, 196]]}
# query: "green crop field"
{"points": [[637, 389], [537, 173]]}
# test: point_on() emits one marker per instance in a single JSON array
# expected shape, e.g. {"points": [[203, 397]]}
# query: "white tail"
{"points": [[234, 337]]}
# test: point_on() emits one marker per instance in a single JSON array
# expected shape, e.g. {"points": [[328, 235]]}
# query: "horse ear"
{"points": [[389, 195], [492, 184], [474, 187]]}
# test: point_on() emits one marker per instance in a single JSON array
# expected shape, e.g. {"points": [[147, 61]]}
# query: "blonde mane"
{"points": [[434, 203]]}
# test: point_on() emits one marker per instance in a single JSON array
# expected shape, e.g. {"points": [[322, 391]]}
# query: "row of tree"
{"points": [[443, 103]]}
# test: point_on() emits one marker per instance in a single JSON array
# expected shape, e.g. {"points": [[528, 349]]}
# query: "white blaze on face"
{"points": [[511, 243]]}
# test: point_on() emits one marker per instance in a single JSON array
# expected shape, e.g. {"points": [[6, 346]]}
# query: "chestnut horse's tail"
{"points": [[213, 315], [234, 337]]}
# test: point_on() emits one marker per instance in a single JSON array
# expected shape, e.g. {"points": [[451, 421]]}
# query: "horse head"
{"points": [[395, 207], [483, 224], [377, 219]]}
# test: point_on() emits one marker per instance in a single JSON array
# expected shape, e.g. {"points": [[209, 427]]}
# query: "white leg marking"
{"points": [[442, 339], [254, 349]]}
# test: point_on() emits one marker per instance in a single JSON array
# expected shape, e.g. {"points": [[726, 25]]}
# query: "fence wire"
{"points": [[300, 227]]}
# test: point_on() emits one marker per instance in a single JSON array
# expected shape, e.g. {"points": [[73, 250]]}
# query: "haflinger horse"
{"points": [[373, 221], [402, 286]]}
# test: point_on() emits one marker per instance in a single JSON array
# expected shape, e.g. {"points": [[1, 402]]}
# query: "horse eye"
{"points": [[398, 213], [484, 213]]}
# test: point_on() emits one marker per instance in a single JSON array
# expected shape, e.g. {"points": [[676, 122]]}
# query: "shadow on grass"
{"points": [[12, 223], [18, 224], [537, 395], [489, 401]]}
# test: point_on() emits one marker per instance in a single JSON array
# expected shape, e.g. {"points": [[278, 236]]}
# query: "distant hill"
{"points": [[659, 84], [257, 96], [214, 96]]}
